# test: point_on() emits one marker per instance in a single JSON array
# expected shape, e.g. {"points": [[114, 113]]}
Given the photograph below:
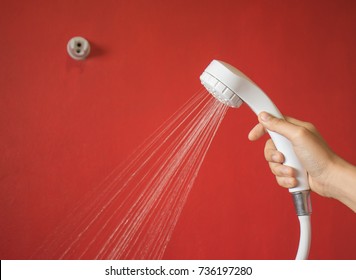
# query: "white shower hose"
{"points": [[305, 237]]}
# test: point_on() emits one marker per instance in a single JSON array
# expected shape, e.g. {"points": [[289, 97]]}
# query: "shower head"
{"points": [[224, 89], [233, 88]]}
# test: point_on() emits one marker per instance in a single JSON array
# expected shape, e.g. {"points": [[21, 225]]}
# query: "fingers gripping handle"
{"points": [[300, 193], [285, 147], [258, 101]]}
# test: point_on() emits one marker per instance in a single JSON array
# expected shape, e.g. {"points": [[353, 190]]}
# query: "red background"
{"points": [[64, 124]]}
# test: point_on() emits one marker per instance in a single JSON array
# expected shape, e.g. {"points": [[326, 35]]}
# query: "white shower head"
{"points": [[222, 90], [233, 88]]}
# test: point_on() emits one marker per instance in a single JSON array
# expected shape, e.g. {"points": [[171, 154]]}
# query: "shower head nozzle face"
{"points": [[223, 81], [219, 90]]}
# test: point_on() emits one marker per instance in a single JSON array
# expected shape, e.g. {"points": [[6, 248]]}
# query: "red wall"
{"points": [[64, 125]]}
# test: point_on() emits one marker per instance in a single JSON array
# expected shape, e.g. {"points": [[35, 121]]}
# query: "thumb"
{"points": [[280, 126]]}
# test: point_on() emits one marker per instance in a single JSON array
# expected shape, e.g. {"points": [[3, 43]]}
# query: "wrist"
{"points": [[342, 184]]}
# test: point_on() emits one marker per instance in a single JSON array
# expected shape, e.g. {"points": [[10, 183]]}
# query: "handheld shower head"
{"points": [[233, 88]]}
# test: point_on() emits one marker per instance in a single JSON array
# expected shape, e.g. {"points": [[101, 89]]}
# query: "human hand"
{"points": [[311, 149]]}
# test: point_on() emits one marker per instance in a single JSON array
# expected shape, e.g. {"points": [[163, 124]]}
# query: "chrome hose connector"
{"points": [[302, 203]]}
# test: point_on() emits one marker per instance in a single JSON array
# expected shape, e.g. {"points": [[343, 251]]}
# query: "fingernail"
{"points": [[265, 116]]}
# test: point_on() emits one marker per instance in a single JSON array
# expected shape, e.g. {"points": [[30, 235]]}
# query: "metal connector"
{"points": [[302, 203]]}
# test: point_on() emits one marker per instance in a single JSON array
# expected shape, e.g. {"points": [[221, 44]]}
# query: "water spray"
{"points": [[233, 88]]}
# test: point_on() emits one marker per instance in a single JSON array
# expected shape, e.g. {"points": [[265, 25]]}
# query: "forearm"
{"points": [[343, 185]]}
